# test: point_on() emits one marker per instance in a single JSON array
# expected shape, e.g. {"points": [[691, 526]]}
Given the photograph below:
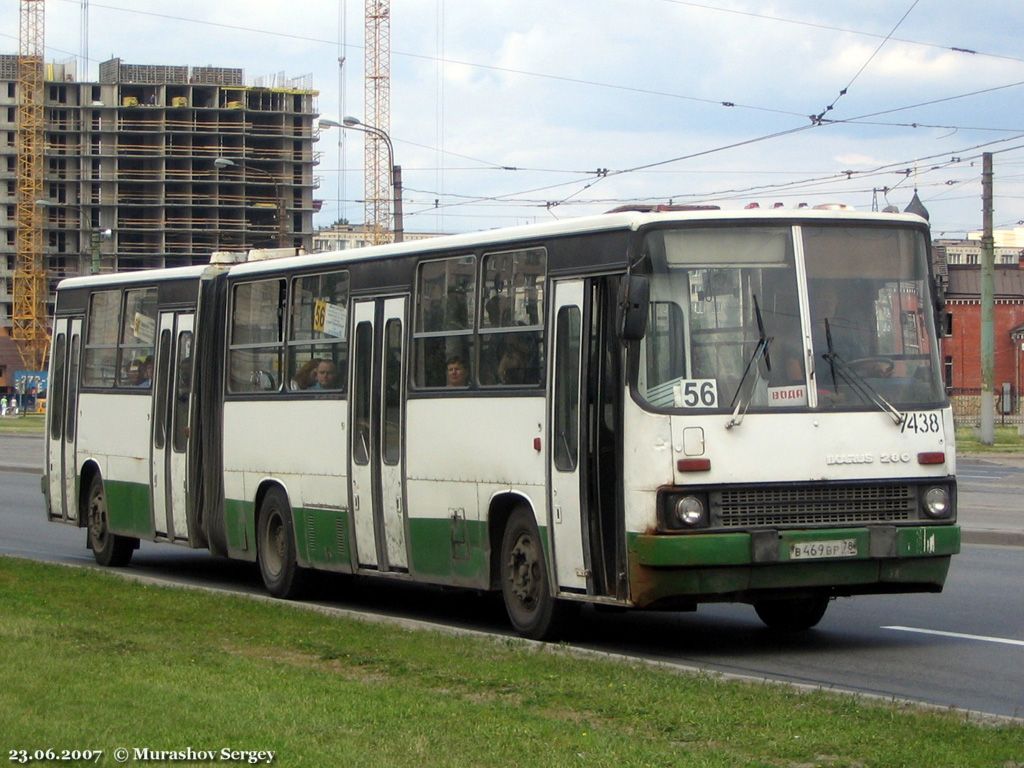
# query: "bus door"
{"points": [[585, 418], [172, 389], [63, 416], [377, 434], [566, 503]]}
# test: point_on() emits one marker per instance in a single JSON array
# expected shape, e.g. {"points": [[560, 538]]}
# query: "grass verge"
{"points": [[1006, 440], [90, 661], [30, 424]]}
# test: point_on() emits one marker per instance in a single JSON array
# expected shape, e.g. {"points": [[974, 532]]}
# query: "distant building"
{"points": [[961, 342], [340, 237], [134, 154]]}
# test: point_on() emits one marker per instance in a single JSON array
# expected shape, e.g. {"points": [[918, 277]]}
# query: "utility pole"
{"points": [[987, 435]]}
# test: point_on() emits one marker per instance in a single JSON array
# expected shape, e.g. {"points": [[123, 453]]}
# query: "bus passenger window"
{"points": [[511, 324], [317, 347], [138, 333], [254, 358], [444, 320], [101, 339]]}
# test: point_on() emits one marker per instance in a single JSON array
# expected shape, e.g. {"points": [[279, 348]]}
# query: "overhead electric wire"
{"points": [[846, 30], [843, 91]]}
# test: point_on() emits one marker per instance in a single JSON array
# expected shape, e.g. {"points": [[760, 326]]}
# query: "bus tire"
{"points": [[275, 547], [108, 548], [533, 611], [792, 615]]}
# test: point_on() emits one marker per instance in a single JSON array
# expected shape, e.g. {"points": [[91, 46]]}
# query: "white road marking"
{"points": [[983, 638]]}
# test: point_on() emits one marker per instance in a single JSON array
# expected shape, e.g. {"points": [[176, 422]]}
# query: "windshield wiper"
{"points": [[741, 402], [855, 381]]}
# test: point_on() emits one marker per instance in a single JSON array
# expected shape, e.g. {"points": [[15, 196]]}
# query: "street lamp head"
{"points": [[350, 121], [223, 162], [325, 122]]}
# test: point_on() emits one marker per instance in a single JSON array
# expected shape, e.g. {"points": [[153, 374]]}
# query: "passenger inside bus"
{"points": [[142, 372], [457, 375], [324, 375]]}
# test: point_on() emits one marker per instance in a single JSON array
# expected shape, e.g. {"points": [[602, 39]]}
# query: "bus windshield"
{"points": [[725, 329]]}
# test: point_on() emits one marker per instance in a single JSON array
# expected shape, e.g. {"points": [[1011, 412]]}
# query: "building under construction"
{"points": [[156, 166]]}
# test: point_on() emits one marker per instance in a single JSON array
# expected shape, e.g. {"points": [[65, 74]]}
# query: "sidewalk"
{"points": [[979, 524]]}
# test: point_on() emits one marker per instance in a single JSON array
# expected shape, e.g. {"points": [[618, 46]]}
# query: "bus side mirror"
{"points": [[634, 300]]}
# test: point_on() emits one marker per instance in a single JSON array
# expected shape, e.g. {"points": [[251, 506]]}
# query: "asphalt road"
{"points": [[963, 648]]}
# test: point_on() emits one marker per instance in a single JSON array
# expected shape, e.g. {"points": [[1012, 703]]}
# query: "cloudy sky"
{"points": [[507, 112]]}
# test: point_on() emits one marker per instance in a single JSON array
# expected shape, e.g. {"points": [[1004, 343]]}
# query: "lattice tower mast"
{"points": [[376, 164], [83, 53], [30, 327]]}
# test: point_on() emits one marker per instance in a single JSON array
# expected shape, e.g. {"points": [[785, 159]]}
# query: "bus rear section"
{"points": [[118, 430]]}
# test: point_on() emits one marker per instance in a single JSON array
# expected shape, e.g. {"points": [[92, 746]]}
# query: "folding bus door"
{"points": [[172, 378], [377, 434], [61, 459], [567, 508], [585, 418]]}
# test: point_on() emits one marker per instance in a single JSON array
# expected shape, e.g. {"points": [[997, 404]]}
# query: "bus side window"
{"points": [[444, 321], [511, 323], [138, 334], [254, 356], [101, 339], [317, 347]]}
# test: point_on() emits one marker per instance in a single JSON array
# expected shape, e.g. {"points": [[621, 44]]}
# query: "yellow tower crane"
{"points": [[376, 162], [30, 323]]}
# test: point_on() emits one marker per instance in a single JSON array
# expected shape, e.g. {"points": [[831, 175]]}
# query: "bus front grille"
{"points": [[813, 505]]}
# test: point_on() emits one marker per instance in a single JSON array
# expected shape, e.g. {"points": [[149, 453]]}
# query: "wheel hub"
{"points": [[523, 571]]}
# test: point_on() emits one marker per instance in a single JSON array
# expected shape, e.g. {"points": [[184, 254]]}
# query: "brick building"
{"points": [[961, 343]]}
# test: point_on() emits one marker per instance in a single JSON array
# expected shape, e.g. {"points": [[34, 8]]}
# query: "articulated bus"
{"points": [[645, 409]]}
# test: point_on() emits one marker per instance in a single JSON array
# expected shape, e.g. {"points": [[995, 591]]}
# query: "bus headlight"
{"points": [[936, 502], [682, 509], [688, 512]]}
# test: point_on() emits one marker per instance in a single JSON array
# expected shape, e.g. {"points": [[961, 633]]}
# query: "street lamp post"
{"points": [[396, 170], [96, 236], [282, 205]]}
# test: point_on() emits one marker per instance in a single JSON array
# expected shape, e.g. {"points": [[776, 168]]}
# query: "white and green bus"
{"points": [[645, 409]]}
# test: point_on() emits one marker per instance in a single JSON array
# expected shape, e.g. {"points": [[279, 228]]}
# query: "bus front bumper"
{"points": [[708, 567]]}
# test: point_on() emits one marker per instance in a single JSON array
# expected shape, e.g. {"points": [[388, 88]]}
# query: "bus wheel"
{"points": [[108, 548], [794, 615], [275, 547], [533, 611]]}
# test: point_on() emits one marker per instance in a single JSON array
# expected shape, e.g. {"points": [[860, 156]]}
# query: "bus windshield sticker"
{"points": [[695, 393], [329, 319], [788, 396], [143, 328]]}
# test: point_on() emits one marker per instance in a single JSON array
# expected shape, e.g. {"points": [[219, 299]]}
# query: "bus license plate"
{"points": [[815, 550]]}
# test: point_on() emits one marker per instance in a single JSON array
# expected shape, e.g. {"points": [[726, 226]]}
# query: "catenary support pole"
{"points": [[987, 434]]}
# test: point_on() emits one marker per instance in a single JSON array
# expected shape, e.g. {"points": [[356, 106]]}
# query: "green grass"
{"points": [[30, 424], [1006, 440], [93, 661]]}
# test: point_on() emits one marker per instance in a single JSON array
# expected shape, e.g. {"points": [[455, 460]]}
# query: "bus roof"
{"points": [[509, 237], [631, 220], [138, 276]]}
